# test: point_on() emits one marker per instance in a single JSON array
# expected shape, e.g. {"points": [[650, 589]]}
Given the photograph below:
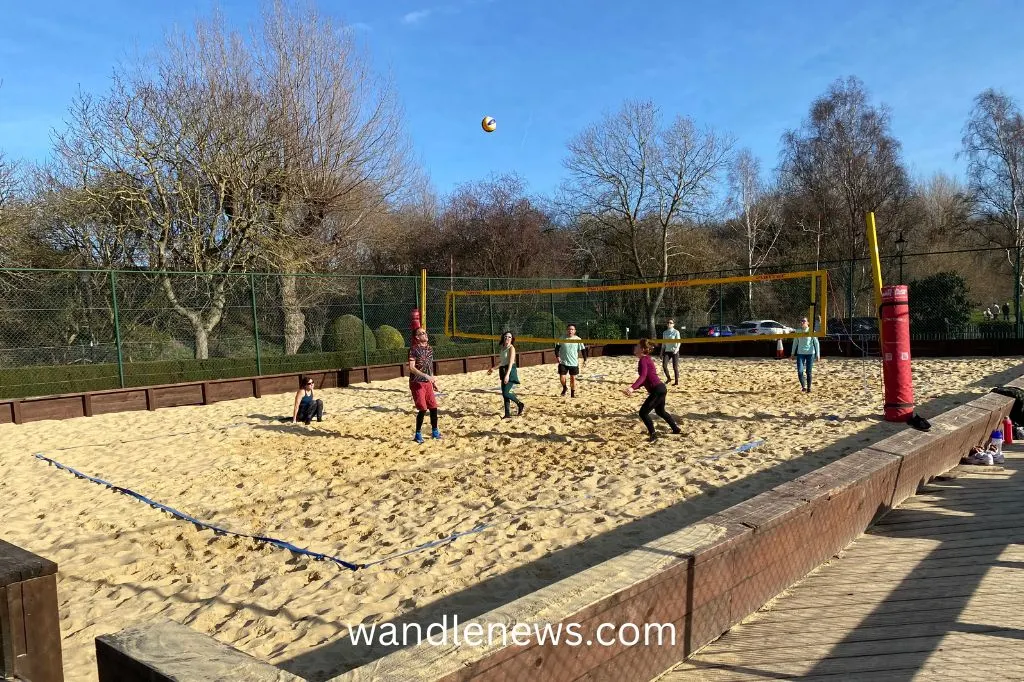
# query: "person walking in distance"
{"points": [[568, 350], [806, 349], [670, 350]]}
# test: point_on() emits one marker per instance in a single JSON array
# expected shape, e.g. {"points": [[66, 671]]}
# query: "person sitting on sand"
{"points": [[806, 349], [508, 374], [306, 406], [422, 383], [656, 390]]}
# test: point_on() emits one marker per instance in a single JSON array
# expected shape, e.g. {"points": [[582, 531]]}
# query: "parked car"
{"points": [[716, 330], [861, 326], [758, 327]]}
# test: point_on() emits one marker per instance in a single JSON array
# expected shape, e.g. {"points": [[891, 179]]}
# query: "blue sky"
{"points": [[545, 70]]}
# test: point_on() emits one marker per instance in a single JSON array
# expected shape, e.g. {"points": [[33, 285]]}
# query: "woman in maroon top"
{"points": [[656, 390]]}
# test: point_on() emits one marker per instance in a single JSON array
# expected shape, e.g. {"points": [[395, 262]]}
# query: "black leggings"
{"points": [[419, 419], [508, 394], [675, 365], [656, 402], [310, 410]]}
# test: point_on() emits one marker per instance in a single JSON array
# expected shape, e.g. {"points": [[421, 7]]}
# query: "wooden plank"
{"points": [[150, 402], [165, 651], [87, 404], [42, 630], [7, 656], [17, 564], [14, 628], [256, 386], [16, 411]]}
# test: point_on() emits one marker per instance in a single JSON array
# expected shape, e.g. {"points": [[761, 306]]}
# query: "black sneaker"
{"points": [[564, 391], [918, 422], [652, 437], [572, 394]]}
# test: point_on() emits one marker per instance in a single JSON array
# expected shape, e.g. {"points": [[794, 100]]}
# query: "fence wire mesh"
{"points": [[65, 331]]}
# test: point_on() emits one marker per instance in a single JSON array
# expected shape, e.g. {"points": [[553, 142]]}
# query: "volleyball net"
{"points": [[705, 310]]}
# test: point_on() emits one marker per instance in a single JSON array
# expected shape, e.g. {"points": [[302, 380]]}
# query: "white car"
{"points": [[752, 327]]}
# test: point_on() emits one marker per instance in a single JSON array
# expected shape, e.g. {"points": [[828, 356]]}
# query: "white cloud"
{"points": [[417, 16]]}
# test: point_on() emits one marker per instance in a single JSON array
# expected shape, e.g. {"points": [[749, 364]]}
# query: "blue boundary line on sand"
{"points": [[319, 556], [275, 542]]}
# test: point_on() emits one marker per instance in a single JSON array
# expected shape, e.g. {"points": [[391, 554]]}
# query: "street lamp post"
{"points": [[901, 246]]}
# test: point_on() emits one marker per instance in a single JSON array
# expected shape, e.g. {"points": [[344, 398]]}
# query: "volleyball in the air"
{"points": [[488, 124]]}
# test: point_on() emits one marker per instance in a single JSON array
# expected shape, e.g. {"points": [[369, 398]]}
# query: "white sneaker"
{"points": [[988, 457], [998, 458], [974, 458]]}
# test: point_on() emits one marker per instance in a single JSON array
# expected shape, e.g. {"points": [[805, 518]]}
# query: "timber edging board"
{"points": [[30, 644], [208, 391], [703, 578], [166, 651]]}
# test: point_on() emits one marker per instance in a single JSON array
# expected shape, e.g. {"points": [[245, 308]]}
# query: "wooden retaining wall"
{"points": [[72, 405], [702, 579]]}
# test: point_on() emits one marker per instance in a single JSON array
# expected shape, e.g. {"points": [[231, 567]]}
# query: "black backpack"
{"points": [[1017, 411]]}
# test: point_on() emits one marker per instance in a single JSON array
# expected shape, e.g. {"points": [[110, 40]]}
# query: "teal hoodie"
{"points": [[807, 345]]}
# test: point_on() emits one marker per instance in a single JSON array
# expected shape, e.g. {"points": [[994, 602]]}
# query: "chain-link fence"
{"points": [[82, 330]]}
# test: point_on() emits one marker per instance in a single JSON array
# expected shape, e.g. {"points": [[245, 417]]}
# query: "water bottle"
{"points": [[997, 441]]}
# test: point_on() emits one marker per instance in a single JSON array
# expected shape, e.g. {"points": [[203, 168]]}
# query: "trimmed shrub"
{"points": [[539, 324], [438, 339], [388, 338], [347, 334]]}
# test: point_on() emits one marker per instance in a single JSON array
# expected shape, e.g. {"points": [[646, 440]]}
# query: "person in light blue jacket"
{"points": [[806, 350]]}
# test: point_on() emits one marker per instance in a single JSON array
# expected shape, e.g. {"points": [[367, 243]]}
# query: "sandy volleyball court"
{"points": [[569, 484]]}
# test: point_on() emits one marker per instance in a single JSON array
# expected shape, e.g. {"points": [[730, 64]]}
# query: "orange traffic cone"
{"points": [[780, 352]]}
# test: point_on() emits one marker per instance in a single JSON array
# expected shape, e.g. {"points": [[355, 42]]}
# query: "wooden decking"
{"points": [[934, 591]]}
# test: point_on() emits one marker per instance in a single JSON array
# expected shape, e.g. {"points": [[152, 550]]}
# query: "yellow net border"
{"points": [[816, 310]]}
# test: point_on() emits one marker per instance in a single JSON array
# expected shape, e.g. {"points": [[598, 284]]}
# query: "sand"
{"points": [[567, 485]]}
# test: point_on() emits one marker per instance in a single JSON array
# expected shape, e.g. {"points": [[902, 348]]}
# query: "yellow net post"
{"points": [[423, 297], [876, 270]]}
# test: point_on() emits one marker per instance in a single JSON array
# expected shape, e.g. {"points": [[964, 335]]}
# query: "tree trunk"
{"points": [[294, 319], [202, 342], [201, 328]]}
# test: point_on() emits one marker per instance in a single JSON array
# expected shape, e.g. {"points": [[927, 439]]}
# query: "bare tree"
{"points": [[494, 229], [173, 150], [637, 185], [222, 153], [344, 157], [842, 163], [946, 207], [10, 213], [756, 224], [993, 143]]}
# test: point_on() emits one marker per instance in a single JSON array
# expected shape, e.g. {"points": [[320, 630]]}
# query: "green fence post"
{"points": [[849, 298], [1016, 295], [554, 332], [490, 312], [117, 327], [362, 308], [721, 303], [255, 324]]}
